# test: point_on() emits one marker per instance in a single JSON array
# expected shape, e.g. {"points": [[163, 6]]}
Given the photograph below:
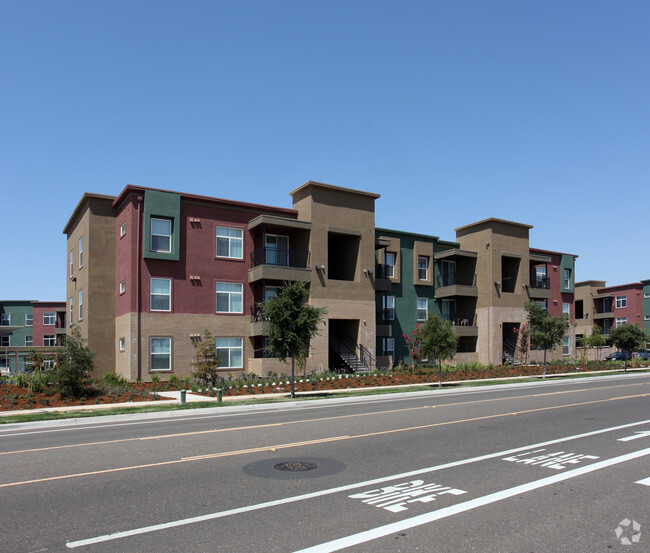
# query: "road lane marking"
{"points": [[330, 491], [635, 436], [644, 482], [400, 526], [322, 440]]}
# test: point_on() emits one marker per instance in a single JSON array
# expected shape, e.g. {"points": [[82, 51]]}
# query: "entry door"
{"points": [[277, 250]]}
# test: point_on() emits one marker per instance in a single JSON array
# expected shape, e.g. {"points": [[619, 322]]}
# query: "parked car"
{"points": [[643, 354], [618, 356]]}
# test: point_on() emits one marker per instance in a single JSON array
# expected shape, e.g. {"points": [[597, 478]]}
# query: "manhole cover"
{"points": [[298, 466]]}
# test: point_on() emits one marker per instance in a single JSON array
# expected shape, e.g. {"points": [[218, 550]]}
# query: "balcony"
{"points": [[464, 323], [540, 288], [269, 263], [259, 324], [456, 284], [382, 278]]}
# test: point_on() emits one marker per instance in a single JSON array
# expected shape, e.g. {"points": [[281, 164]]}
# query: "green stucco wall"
{"points": [[164, 205]]}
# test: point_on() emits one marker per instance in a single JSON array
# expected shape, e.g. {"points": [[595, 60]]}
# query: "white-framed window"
{"points": [[161, 235], [646, 317], [388, 304], [566, 310], [122, 286], [81, 252], [389, 348], [160, 354], [5, 341], [71, 309], [122, 344], [5, 319], [566, 345], [29, 319], [277, 250], [621, 302], [49, 318], [29, 340], [423, 309], [230, 297], [123, 229], [71, 263], [390, 265], [81, 304], [161, 294], [49, 340], [231, 352], [646, 295], [230, 242], [567, 278], [620, 321], [49, 364], [423, 268]]}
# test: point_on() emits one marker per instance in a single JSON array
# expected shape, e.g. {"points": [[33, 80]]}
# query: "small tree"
{"points": [[438, 341], [292, 325], [413, 343], [628, 338], [523, 342], [207, 361], [75, 364], [546, 331], [596, 340]]}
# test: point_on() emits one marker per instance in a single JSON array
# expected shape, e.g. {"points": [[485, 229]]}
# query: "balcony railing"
{"points": [[384, 271], [461, 319], [257, 315], [540, 283], [456, 279], [387, 314], [280, 257]]}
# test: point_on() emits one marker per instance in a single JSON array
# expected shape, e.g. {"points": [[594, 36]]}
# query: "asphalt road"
{"points": [[543, 467]]}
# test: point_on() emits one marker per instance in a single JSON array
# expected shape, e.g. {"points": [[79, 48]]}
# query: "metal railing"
{"points": [[460, 279], [540, 283], [461, 318], [280, 257]]}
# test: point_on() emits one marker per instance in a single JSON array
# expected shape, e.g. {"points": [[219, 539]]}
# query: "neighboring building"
{"points": [[28, 326], [157, 268], [611, 306]]}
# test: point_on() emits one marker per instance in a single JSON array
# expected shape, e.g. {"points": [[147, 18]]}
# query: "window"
{"points": [[71, 263], [5, 319], [230, 297], [566, 310], [161, 293], [620, 321], [81, 304], [49, 340], [4, 341], [566, 345], [270, 292], [29, 319], [388, 307], [81, 252], [646, 317], [49, 318], [122, 344], [567, 278], [540, 276], [29, 340], [646, 294], [389, 348], [390, 265], [423, 310], [122, 229], [277, 250], [230, 242], [621, 302], [122, 286], [423, 268], [161, 235], [71, 310], [231, 352], [160, 354]]}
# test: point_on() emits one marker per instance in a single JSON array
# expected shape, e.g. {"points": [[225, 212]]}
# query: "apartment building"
{"points": [[150, 270], [479, 283], [28, 326]]}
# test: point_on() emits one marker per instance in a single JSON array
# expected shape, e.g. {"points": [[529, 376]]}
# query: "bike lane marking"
{"points": [[338, 489], [400, 526]]}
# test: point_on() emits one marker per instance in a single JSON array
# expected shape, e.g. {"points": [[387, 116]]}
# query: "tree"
{"points": [[292, 325], [523, 342], [438, 341], [75, 364], [596, 340], [546, 331], [413, 342], [207, 361], [628, 338]]}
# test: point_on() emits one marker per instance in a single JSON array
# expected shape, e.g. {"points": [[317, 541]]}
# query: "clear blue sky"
{"points": [[454, 111]]}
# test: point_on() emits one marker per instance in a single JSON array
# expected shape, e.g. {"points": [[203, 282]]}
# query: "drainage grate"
{"points": [[298, 466]]}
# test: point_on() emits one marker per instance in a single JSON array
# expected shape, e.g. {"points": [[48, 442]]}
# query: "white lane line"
{"points": [[330, 491], [636, 436], [400, 526], [645, 482]]}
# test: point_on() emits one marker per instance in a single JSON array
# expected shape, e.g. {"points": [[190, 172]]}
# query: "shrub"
{"points": [[76, 362]]}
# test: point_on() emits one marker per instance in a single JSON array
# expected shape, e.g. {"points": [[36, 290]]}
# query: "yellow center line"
{"points": [[310, 442], [302, 421]]}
